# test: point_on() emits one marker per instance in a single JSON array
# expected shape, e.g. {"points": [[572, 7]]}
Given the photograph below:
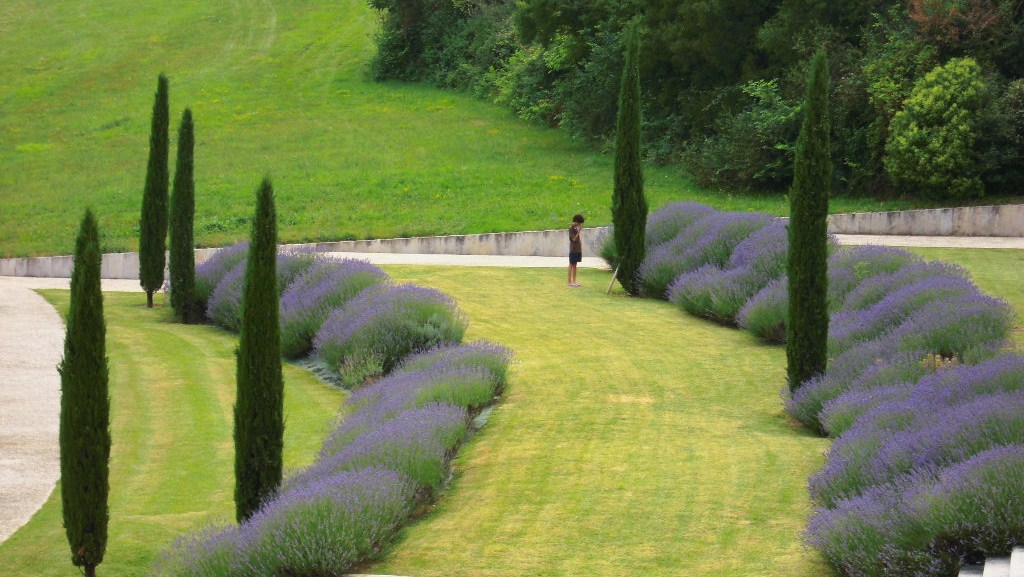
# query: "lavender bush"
{"points": [[853, 325], [926, 524], [225, 304], [956, 383], [901, 438], [766, 312], [709, 240], [671, 220], [220, 263], [373, 332], [324, 286]]}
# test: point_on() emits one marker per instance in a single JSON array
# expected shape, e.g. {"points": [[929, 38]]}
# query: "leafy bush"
{"points": [[752, 149], [373, 331], [932, 146]]}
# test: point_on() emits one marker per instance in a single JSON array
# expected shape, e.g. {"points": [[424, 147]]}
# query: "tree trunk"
{"points": [[149, 299]]}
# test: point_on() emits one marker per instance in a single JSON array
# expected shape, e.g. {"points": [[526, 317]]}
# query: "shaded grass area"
{"points": [[633, 439], [277, 88], [172, 390], [998, 272]]}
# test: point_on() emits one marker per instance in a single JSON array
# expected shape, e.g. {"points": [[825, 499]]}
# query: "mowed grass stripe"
{"points": [[172, 392], [633, 440]]}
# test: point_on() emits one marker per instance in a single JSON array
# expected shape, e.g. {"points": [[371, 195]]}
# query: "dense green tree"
{"points": [[183, 206], [932, 147], [629, 205], [259, 406], [807, 330], [85, 408], [153, 223]]}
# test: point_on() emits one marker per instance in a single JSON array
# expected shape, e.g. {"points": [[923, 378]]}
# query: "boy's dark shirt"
{"points": [[575, 245]]}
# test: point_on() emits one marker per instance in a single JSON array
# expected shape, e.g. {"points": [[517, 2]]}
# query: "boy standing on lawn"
{"points": [[575, 247]]}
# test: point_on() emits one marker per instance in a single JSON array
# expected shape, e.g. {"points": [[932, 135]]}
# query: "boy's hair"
{"points": [[578, 218]]}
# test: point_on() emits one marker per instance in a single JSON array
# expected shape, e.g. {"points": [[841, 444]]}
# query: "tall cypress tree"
{"points": [[807, 331], [85, 408], [629, 205], [259, 407], [153, 222], [183, 260]]}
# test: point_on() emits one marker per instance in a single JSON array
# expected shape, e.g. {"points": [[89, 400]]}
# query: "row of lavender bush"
{"points": [[921, 392], [344, 311], [390, 449]]}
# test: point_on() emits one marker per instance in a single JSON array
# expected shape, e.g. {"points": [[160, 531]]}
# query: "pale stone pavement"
{"points": [[32, 341]]}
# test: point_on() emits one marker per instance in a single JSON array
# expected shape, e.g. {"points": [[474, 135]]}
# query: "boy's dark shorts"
{"points": [[575, 257]]}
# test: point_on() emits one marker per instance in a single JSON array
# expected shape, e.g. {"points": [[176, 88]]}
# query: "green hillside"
{"points": [[278, 88]]}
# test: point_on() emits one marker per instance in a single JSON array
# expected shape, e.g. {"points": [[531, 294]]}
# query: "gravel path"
{"points": [[31, 345]]}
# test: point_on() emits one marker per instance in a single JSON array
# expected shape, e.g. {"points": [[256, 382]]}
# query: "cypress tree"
{"points": [[629, 205], [183, 261], [153, 222], [807, 331], [259, 407], [85, 408]]}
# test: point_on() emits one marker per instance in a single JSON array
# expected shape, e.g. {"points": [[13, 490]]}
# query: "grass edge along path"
{"points": [[631, 439], [172, 391]]}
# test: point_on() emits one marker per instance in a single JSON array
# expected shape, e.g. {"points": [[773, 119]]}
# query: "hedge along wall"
{"points": [[390, 452], [922, 394]]}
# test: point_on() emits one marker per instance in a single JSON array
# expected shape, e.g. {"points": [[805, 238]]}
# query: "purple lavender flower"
{"points": [[875, 288], [710, 240], [415, 443], [324, 286], [291, 264], [381, 325], [327, 526], [672, 219], [225, 304], [210, 272], [904, 299], [850, 266], [209, 552], [766, 313]]}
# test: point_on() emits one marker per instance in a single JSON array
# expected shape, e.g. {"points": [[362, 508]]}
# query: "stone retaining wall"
{"points": [[1005, 220]]}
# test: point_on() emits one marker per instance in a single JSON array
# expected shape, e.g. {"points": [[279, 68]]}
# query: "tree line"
{"points": [[926, 96]]}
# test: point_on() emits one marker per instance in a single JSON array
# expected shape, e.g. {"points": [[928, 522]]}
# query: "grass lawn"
{"points": [[634, 440], [278, 88], [172, 390]]}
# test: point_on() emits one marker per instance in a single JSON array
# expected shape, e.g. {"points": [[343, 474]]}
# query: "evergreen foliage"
{"points": [[259, 406], [85, 408], [629, 205], [933, 141], [807, 331], [183, 207], [153, 223], [722, 79]]}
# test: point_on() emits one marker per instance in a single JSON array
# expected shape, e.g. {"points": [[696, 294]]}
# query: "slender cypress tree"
{"points": [[629, 205], [259, 407], [807, 331], [153, 222], [85, 408], [183, 260]]}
